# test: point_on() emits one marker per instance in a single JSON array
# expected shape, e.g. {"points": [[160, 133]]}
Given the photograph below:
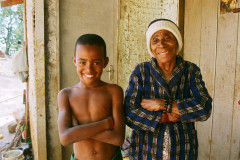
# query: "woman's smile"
{"points": [[163, 53]]}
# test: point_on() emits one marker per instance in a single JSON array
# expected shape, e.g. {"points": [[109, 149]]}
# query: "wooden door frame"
{"points": [[36, 83], [43, 84]]}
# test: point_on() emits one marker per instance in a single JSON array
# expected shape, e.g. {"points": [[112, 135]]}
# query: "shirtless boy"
{"points": [[96, 106]]}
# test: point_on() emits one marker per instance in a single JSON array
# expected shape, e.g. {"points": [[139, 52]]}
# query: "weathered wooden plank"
{"points": [[192, 28], [224, 86], [207, 65], [39, 134], [181, 8], [235, 141], [7, 3], [52, 79]]}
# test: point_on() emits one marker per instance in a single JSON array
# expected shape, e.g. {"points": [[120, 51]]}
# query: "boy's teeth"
{"points": [[89, 75]]}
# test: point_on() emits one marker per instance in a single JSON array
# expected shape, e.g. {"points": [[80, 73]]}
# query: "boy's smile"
{"points": [[90, 62]]}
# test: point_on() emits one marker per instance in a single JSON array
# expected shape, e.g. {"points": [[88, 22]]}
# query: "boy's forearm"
{"points": [[114, 136], [84, 131], [110, 136]]}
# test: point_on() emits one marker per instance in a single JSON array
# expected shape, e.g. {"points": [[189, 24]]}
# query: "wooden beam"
{"points": [[7, 3]]}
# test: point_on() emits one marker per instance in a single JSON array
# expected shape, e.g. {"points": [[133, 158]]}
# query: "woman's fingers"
{"points": [[173, 117], [152, 104]]}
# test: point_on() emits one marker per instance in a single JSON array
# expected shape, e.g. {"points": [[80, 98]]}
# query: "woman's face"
{"points": [[164, 46]]}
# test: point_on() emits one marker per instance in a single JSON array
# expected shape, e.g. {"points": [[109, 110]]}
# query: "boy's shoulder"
{"points": [[113, 87], [66, 91]]}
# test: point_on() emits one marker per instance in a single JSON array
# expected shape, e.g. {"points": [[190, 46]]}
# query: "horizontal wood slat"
{"points": [[7, 3]]}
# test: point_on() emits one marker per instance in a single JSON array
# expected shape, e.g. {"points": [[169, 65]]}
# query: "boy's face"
{"points": [[90, 62]]}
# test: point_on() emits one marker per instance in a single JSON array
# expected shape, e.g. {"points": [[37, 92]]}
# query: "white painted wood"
{"points": [[116, 18], [235, 140], [207, 66], [54, 146], [39, 132], [80, 17], [110, 37], [192, 31], [224, 86]]}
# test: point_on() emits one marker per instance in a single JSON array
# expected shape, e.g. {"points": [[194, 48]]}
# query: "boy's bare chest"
{"points": [[91, 105]]}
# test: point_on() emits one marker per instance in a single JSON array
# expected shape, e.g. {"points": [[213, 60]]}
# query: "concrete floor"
{"points": [[11, 100]]}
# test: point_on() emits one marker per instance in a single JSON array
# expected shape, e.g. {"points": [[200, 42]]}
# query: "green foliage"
{"points": [[11, 28]]}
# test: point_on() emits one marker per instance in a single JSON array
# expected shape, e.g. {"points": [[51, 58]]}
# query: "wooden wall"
{"points": [[211, 40]]}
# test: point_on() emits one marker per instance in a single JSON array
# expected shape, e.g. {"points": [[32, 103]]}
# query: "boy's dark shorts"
{"points": [[117, 155]]}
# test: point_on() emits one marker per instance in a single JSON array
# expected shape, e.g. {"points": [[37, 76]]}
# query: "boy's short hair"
{"points": [[91, 39]]}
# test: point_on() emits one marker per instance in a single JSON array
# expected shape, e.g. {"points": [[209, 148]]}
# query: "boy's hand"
{"points": [[110, 122], [74, 121]]}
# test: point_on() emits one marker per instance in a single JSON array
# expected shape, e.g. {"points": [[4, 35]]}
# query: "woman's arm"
{"points": [[153, 104], [195, 108], [136, 116], [158, 105], [199, 107]]}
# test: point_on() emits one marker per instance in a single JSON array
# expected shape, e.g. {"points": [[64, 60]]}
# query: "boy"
{"points": [[95, 105]]}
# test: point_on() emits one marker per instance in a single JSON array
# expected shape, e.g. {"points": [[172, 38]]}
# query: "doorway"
{"points": [[13, 84]]}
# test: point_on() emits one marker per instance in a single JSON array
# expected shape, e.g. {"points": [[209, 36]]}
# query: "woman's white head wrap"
{"points": [[165, 24]]}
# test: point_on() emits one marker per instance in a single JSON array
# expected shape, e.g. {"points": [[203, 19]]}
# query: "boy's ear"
{"points": [[74, 60], [106, 60]]}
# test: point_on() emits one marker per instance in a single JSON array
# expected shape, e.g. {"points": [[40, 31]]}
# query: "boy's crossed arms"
{"points": [[109, 129]]}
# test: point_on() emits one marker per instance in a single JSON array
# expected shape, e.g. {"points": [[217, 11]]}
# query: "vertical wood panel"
{"points": [[39, 62], [235, 141], [224, 86], [207, 65], [192, 31], [181, 10], [216, 49], [51, 16]]}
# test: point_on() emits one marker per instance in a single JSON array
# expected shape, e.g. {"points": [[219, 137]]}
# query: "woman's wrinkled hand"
{"points": [[158, 105], [173, 117], [152, 104], [169, 117]]}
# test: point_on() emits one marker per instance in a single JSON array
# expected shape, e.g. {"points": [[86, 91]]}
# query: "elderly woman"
{"points": [[164, 98]]}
